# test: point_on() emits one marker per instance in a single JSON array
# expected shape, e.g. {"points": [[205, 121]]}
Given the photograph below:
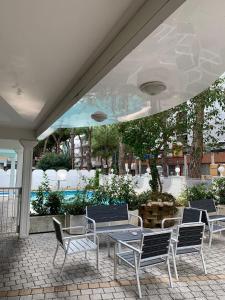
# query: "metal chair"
{"points": [[74, 244], [189, 215], [212, 225], [189, 240], [210, 206], [154, 249]]}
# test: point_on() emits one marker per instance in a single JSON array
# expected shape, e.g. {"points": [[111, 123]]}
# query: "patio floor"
{"points": [[26, 272]]}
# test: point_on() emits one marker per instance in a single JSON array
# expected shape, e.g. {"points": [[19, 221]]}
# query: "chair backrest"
{"points": [[190, 235], [155, 244], [58, 231], [206, 204], [205, 218], [107, 213], [191, 215]]}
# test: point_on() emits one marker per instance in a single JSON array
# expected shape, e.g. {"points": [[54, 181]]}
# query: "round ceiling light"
{"points": [[153, 88], [99, 116]]}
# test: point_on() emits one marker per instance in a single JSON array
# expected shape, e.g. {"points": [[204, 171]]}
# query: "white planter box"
{"points": [[40, 224]]}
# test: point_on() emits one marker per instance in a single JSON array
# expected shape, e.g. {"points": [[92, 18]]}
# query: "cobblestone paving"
{"points": [[26, 272]]}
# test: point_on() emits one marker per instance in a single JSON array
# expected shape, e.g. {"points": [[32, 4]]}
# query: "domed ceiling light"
{"points": [[99, 116], [152, 88]]}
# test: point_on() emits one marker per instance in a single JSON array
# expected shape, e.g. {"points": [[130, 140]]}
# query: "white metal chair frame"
{"points": [[213, 226], [180, 219], [75, 244], [137, 253], [198, 248], [111, 230]]}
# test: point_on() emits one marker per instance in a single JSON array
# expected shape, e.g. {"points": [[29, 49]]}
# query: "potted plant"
{"points": [[47, 204], [74, 211], [155, 206]]}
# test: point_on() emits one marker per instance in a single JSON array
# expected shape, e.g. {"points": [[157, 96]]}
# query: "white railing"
{"points": [[10, 199]]}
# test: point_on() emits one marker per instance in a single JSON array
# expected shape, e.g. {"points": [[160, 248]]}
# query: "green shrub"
{"points": [[77, 204], [39, 203], [54, 161], [218, 190], [197, 192], [118, 190], [54, 202], [93, 183]]}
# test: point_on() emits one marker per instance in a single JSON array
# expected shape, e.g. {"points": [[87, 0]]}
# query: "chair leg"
{"points": [[108, 246], [169, 272], [203, 262], [174, 263], [210, 239], [63, 264], [97, 256], [137, 277], [57, 247], [115, 268]]}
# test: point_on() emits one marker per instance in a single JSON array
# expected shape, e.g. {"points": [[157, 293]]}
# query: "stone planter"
{"points": [[72, 221], [154, 212], [221, 209], [40, 224]]}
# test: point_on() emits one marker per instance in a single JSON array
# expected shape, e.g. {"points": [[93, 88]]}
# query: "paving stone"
{"points": [[29, 271]]}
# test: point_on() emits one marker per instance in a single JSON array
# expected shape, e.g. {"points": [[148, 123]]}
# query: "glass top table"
{"points": [[129, 236]]}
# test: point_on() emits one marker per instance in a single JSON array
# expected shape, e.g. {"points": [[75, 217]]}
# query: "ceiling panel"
{"points": [[186, 52]]}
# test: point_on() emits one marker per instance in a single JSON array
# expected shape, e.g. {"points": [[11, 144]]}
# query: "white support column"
{"points": [[26, 187], [19, 169], [12, 172]]}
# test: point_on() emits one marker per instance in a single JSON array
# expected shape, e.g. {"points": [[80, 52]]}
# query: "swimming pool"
{"points": [[67, 194]]}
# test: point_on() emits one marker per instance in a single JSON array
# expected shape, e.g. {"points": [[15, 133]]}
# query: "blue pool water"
{"points": [[67, 194]]}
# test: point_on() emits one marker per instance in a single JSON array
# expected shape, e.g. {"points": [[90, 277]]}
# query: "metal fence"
{"points": [[10, 199]]}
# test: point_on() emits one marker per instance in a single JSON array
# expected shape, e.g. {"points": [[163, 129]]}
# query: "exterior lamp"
{"points": [[221, 169], [148, 170], [177, 170], [112, 171]]}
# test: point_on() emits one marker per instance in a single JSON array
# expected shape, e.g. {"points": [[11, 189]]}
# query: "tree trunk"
{"points": [[196, 153], [121, 159], [81, 152], [155, 182], [57, 144], [45, 145], [72, 154], [164, 164], [88, 155]]}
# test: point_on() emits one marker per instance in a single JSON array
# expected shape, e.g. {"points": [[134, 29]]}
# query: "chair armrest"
{"points": [[92, 221], [73, 227], [170, 219], [174, 240], [139, 218], [77, 237], [130, 247]]}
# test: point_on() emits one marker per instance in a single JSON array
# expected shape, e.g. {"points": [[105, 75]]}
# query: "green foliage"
{"points": [[54, 161], [105, 141], [39, 203], [93, 183], [54, 202], [218, 190], [77, 204], [118, 190], [194, 193], [150, 135], [162, 197]]}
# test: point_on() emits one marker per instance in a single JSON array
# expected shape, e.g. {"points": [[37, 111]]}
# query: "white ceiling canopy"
{"points": [[186, 53], [46, 45]]}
